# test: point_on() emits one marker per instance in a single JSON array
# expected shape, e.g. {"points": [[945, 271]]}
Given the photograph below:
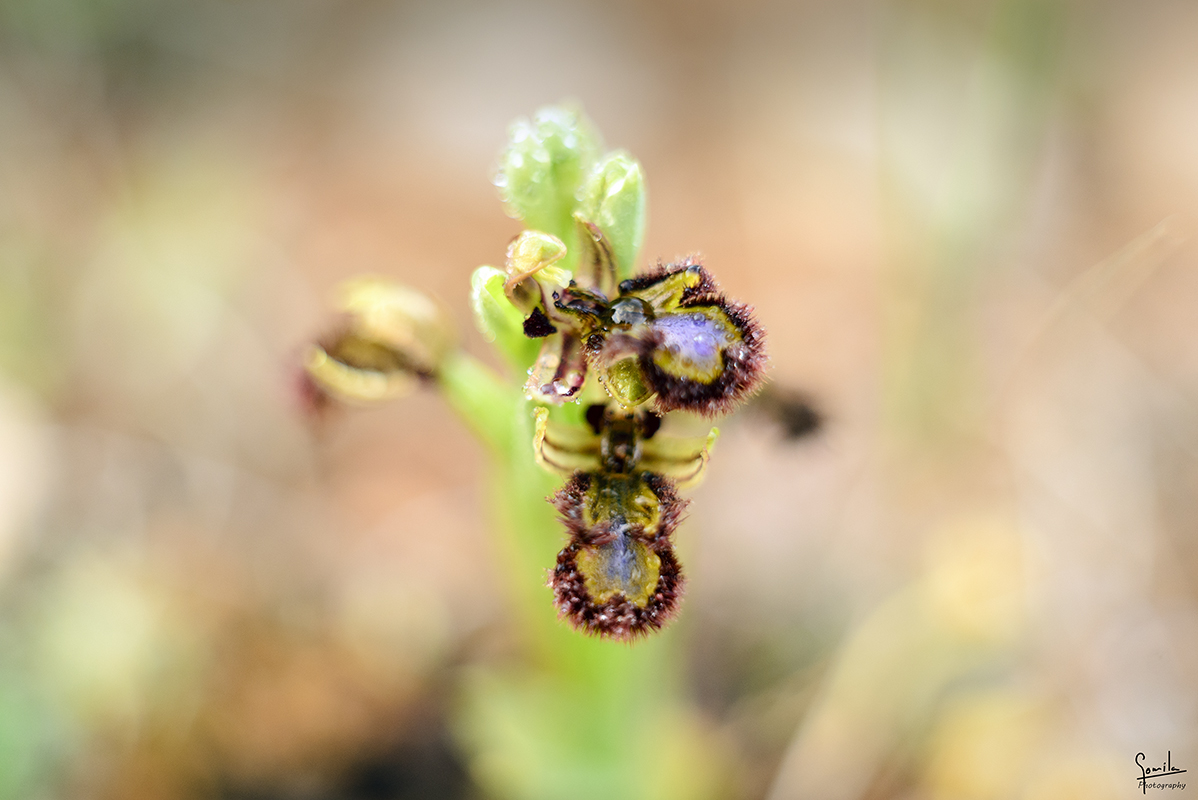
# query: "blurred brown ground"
{"points": [[218, 594]]}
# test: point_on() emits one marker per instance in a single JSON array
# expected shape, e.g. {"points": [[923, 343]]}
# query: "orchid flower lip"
{"points": [[618, 577]]}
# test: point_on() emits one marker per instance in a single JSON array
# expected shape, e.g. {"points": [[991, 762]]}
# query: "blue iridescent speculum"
{"points": [[690, 344]]}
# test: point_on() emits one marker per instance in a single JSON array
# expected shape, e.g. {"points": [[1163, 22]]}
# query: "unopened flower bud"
{"points": [[612, 205], [546, 161], [389, 337]]}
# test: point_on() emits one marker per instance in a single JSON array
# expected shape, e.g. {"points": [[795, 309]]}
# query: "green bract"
{"points": [[498, 320], [614, 200]]}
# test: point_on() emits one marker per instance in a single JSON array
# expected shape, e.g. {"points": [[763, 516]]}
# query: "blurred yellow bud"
{"points": [[390, 337]]}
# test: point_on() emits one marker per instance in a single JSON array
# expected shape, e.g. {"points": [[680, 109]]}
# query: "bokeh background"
{"points": [[966, 225]]}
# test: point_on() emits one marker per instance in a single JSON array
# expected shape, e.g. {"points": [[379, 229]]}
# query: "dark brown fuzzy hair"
{"points": [[569, 501], [673, 505]]}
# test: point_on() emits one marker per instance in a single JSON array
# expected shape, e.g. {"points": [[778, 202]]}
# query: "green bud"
{"points": [[546, 161], [500, 322], [614, 200]]}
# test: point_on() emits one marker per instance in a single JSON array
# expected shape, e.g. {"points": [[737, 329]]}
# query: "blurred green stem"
{"points": [[589, 710]]}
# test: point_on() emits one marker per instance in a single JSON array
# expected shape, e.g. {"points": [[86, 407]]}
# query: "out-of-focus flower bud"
{"points": [[618, 578], [390, 336], [612, 211], [546, 161]]}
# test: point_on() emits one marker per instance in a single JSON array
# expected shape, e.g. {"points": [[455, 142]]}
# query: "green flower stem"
{"points": [[485, 402], [587, 703], [572, 716], [579, 717]]}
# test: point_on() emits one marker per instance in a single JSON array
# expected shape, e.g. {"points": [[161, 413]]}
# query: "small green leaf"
{"points": [[546, 161], [498, 320], [614, 199]]}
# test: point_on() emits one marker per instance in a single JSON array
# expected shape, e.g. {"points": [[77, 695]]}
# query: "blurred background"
{"points": [[966, 226]]}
